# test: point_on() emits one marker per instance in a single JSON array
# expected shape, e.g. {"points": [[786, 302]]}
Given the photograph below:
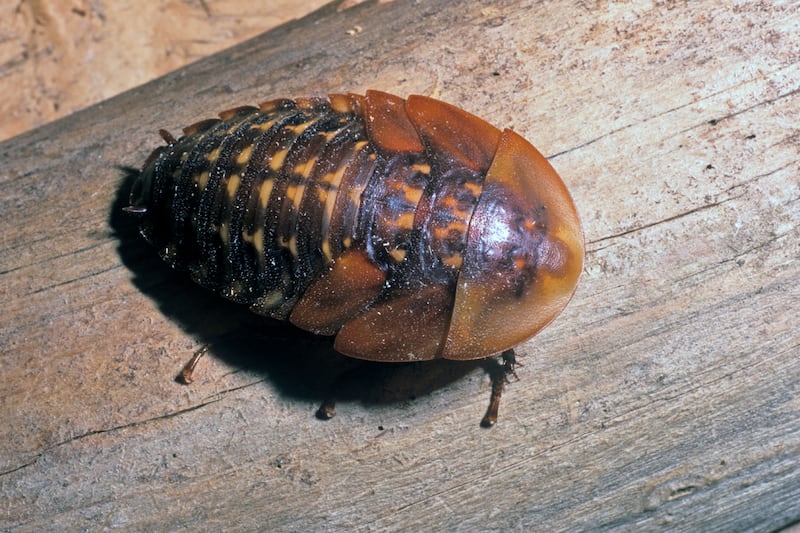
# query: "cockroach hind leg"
{"points": [[186, 375], [499, 374]]}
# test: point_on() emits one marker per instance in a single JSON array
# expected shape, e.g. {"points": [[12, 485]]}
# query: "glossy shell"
{"points": [[410, 229]]}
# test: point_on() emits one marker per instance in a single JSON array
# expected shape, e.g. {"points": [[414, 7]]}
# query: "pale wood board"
{"points": [[664, 397]]}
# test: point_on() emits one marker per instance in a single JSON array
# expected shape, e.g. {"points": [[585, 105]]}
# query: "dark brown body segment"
{"points": [[410, 229]]}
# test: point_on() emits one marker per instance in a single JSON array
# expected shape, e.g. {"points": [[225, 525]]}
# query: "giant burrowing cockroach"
{"points": [[410, 229]]}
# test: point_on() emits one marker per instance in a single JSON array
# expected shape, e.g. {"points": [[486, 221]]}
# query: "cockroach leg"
{"points": [[499, 379], [135, 209], [186, 375], [327, 410], [167, 136], [510, 364]]}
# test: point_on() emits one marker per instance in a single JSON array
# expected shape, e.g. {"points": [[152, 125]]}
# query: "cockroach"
{"points": [[408, 228]]}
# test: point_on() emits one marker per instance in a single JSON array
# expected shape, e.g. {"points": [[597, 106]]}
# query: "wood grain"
{"points": [[666, 395]]}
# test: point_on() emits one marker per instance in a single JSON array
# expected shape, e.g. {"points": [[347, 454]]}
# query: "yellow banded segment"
{"points": [[334, 181], [244, 156], [276, 161], [233, 185]]}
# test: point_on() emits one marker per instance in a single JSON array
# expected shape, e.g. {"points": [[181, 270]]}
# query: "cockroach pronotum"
{"points": [[409, 229]]}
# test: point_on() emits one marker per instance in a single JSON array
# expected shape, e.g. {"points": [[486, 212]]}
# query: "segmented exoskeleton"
{"points": [[409, 229]]}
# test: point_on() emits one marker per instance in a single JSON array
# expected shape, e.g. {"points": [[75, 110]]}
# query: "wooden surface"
{"points": [[665, 396]]}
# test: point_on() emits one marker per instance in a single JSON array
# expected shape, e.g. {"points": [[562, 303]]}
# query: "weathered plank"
{"points": [[665, 396]]}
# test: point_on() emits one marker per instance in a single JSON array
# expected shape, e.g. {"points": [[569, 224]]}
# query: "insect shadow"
{"points": [[300, 365]]}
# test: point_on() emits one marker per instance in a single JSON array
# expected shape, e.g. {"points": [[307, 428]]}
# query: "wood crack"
{"points": [[103, 431], [662, 221], [83, 277], [712, 122]]}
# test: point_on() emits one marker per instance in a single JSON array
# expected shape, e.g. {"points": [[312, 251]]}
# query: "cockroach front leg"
{"points": [[499, 379]]}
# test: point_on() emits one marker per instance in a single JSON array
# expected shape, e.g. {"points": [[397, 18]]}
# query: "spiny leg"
{"points": [[499, 379], [185, 377]]}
